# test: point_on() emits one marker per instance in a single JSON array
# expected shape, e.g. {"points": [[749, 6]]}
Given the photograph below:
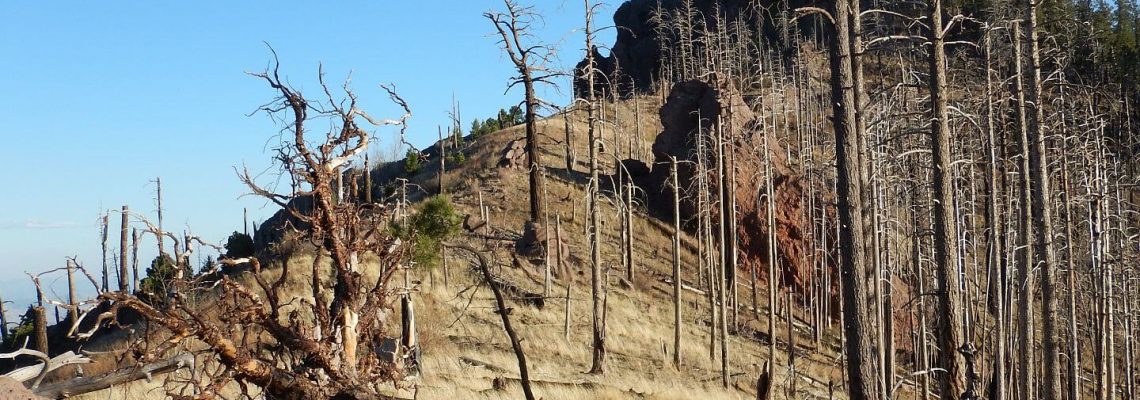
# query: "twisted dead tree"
{"points": [[323, 344]]}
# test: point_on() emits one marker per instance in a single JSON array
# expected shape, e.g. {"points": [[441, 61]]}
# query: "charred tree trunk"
{"points": [[135, 258], [39, 329], [857, 327], [676, 265], [442, 161], [1026, 365], [503, 311], [124, 275], [993, 257], [950, 306], [1042, 210]]}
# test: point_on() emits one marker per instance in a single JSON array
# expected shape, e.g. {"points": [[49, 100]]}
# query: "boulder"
{"points": [[514, 155]]}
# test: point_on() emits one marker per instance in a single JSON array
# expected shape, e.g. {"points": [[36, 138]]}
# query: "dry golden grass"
{"points": [[457, 320]]}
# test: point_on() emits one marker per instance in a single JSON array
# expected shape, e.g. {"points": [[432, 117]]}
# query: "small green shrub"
{"points": [[503, 120], [23, 329], [434, 222], [412, 162], [456, 158], [159, 278]]}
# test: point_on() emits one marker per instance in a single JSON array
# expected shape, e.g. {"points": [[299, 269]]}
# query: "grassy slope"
{"points": [[640, 320], [456, 320]]}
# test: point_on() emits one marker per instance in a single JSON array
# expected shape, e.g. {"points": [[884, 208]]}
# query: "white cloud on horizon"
{"points": [[36, 224]]}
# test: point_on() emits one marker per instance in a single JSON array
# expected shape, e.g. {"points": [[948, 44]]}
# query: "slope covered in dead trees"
{"points": [[690, 118]]}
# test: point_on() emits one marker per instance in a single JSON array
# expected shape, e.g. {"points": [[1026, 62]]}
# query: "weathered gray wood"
{"points": [[80, 386], [482, 364], [105, 222], [30, 372]]}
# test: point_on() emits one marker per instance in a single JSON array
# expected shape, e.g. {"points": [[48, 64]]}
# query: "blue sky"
{"points": [[99, 98]]}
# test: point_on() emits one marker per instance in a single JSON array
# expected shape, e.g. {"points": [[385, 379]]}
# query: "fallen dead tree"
{"points": [[78, 386], [33, 375]]}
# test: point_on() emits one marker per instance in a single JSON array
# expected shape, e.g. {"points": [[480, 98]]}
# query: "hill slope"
{"points": [[465, 352]]}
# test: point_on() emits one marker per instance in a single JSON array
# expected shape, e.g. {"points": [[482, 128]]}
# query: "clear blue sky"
{"points": [[99, 98]]}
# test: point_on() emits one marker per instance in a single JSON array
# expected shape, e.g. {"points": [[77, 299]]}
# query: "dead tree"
{"points": [[3, 323], [124, 275], [1042, 210], [135, 258], [853, 271], [1024, 281], [72, 301], [597, 278], [950, 306], [103, 224], [442, 162], [334, 353], [676, 264], [39, 329], [531, 62], [158, 202], [503, 311]]}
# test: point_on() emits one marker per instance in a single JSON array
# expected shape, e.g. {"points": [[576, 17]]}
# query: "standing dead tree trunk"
{"points": [[442, 161], [722, 261], [950, 305], [158, 201], [103, 229], [72, 302], [530, 61], [598, 360], [1042, 211], [567, 140], [676, 264], [997, 274], [861, 370], [1024, 278], [135, 258], [39, 329], [3, 324], [124, 275]]}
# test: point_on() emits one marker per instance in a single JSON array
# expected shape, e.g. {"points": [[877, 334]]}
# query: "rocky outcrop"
{"points": [[514, 155], [642, 40], [277, 227], [688, 117]]}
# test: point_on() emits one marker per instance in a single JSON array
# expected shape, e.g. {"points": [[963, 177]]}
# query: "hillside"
{"points": [[466, 353]]}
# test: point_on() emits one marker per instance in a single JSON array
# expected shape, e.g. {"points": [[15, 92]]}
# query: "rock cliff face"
{"points": [[642, 39], [694, 104]]}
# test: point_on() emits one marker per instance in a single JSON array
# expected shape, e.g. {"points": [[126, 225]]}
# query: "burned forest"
{"points": [[678, 199]]}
